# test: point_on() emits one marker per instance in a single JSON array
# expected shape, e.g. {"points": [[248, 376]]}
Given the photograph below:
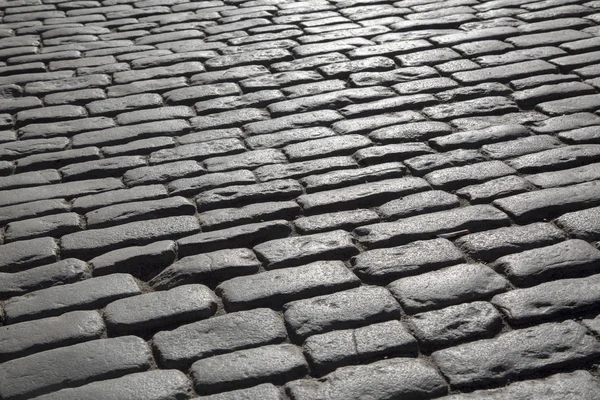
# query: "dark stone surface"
{"points": [[393, 177], [150, 385], [565, 259], [219, 335], [402, 377], [275, 363], [329, 351], [342, 310], [30, 337], [151, 311], [78, 365], [577, 385], [87, 294], [455, 324], [449, 286], [517, 353], [274, 288]]}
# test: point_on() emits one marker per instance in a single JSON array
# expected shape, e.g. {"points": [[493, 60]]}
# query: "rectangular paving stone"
{"points": [[140, 261], [274, 363], [571, 258], [59, 190], [274, 288], [342, 310], [504, 73], [249, 159], [330, 146], [296, 250], [150, 385], [180, 347], [517, 354], [331, 350], [366, 194], [549, 300], [583, 224], [477, 138], [90, 293], [556, 158], [151, 311], [427, 226], [492, 105], [411, 259], [446, 287], [418, 203], [335, 220], [33, 209], [65, 128], [566, 177], [50, 225], [590, 102], [65, 271], [457, 177], [228, 119], [78, 365], [25, 338], [21, 255], [520, 146], [338, 98], [280, 139], [578, 385], [456, 324], [303, 168], [124, 134], [239, 236], [57, 159], [214, 266], [228, 217], [492, 244], [396, 377], [284, 189], [547, 202], [93, 242], [297, 121], [197, 151], [90, 202], [137, 211]]}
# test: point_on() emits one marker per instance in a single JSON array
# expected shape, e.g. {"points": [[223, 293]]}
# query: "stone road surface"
{"points": [[304, 200]]}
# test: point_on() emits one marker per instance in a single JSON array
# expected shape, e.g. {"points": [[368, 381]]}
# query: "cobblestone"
{"points": [[309, 157], [516, 353]]}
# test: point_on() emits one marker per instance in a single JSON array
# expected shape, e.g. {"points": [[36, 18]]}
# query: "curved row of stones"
{"points": [[269, 199]]}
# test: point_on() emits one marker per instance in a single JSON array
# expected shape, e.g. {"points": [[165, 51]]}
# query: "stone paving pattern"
{"points": [[304, 200]]}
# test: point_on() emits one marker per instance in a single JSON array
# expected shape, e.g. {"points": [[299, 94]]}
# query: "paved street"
{"points": [[299, 200]]}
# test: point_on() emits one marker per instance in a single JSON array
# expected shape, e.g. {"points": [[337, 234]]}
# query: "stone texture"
{"points": [[514, 354], [151, 311], [180, 347], [565, 259], [576, 385], [87, 294], [411, 259], [446, 287], [396, 377], [456, 324], [30, 337], [338, 348], [341, 310], [274, 288], [275, 363], [297, 250], [150, 385], [78, 365]]}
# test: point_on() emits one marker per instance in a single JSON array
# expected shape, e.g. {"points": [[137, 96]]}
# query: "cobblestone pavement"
{"points": [[311, 200]]}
